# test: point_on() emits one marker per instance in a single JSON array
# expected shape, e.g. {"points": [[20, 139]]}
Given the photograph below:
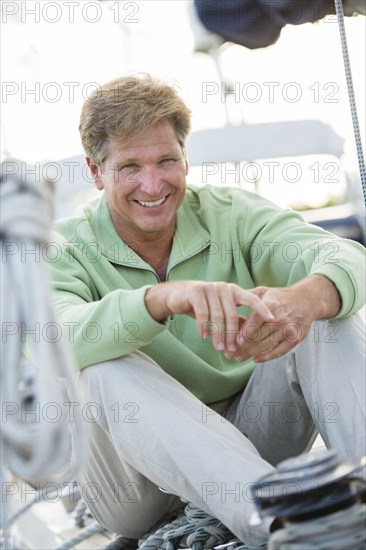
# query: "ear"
{"points": [[95, 173], [186, 161]]}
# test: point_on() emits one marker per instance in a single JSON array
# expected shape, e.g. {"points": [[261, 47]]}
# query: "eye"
{"points": [[128, 169], [167, 161]]}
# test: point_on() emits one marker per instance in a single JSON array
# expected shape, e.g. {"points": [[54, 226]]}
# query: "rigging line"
{"points": [[351, 94]]}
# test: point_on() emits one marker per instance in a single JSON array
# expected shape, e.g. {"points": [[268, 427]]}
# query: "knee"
{"points": [[117, 380], [112, 371], [333, 340], [133, 359], [345, 331]]}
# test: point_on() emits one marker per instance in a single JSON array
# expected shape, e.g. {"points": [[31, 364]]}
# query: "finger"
{"points": [[201, 311], [231, 316], [246, 298], [254, 330], [283, 347], [265, 339], [254, 324], [278, 343], [217, 317]]}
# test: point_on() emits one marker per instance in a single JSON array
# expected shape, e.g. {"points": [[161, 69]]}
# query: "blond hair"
{"points": [[125, 107]]}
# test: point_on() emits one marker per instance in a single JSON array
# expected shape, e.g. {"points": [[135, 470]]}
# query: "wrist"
{"points": [[155, 302], [323, 296]]}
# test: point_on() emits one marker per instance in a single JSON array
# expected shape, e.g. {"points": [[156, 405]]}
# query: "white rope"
{"points": [[85, 534], [37, 497], [351, 94], [40, 449], [80, 513]]}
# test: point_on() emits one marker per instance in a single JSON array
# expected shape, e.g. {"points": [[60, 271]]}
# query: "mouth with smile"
{"points": [[152, 204]]}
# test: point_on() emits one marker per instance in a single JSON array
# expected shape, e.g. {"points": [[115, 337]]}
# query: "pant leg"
{"points": [[152, 432], [122, 499], [318, 386], [331, 369], [148, 431]]}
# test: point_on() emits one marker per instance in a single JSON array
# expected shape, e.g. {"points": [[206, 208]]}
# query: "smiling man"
{"points": [[208, 353]]}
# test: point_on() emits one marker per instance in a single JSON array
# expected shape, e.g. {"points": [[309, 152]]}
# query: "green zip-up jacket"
{"points": [[222, 234]]}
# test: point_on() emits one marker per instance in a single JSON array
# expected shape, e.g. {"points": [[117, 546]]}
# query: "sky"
{"points": [[54, 53]]}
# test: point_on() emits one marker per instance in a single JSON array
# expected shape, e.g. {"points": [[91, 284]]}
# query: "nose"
{"points": [[151, 182]]}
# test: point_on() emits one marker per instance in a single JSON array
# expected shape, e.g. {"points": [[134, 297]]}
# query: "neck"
{"points": [[153, 248], [153, 252], [156, 254]]}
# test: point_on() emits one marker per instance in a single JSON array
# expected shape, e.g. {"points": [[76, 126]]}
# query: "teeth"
{"points": [[152, 203]]}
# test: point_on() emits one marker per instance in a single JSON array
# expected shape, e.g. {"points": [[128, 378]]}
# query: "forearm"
{"points": [[290, 250]]}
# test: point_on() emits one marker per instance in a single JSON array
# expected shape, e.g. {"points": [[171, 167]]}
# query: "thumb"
{"points": [[258, 291]]}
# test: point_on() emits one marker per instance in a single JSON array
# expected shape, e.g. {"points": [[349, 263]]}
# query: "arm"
{"points": [[99, 319], [303, 274], [293, 250]]}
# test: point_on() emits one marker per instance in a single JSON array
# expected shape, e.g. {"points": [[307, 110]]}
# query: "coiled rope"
{"points": [[351, 95], [192, 528], [41, 449], [319, 500], [197, 528]]}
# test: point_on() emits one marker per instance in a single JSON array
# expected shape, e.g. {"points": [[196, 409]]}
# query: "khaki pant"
{"points": [[148, 432]]}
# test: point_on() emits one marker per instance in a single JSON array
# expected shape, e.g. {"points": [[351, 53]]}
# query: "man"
{"points": [[177, 298]]}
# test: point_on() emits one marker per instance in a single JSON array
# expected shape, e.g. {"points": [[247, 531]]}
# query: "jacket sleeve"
{"points": [[282, 249], [97, 328]]}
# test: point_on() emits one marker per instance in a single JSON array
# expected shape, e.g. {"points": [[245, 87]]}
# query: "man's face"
{"points": [[144, 179]]}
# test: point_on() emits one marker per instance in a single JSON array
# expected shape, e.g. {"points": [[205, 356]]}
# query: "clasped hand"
{"points": [[280, 317]]}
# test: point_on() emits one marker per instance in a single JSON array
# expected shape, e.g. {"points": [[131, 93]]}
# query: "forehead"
{"points": [[152, 141]]}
